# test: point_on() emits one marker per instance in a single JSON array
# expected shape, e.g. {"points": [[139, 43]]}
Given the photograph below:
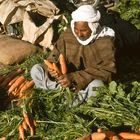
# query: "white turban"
{"points": [[89, 14], [86, 13]]}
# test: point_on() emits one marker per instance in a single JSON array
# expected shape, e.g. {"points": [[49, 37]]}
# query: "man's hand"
{"points": [[64, 81]]}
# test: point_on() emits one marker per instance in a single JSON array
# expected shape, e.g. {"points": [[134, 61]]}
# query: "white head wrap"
{"points": [[88, 14]]}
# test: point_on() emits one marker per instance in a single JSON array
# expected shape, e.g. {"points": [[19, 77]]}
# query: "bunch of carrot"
{"points": [[28, 123], [53, 66], [102, 135], [15, 83], [18, 85]]}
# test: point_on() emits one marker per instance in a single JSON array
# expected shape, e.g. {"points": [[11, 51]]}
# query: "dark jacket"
{"points": [[85, 63]]}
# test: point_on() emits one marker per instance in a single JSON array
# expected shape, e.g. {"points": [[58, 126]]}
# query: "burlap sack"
{"points": [[14, 51], [33, 33]]}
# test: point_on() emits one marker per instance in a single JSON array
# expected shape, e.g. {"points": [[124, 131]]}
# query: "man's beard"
{"points": [[85, 41], [83, 38]]}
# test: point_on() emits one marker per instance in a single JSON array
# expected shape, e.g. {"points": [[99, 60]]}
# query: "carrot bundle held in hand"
{"points": [[53, 66]]}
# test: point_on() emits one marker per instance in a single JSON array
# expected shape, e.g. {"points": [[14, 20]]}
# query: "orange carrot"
{"points": [[26, 118], [14, 92], [3, 138], [34, 122], [109, 134], [13, 80], [63, 64], [16, 84], [49, 64], [16, 89], [128, 135], [27, 85], [115, 138], [32, 131], [24, 125], [21, 132], [20, 87], [56, 69], [98, 136], [99, 130], [29, 123]]}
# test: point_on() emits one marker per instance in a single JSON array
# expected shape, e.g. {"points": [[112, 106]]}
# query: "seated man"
{"points": [[89, 53]]}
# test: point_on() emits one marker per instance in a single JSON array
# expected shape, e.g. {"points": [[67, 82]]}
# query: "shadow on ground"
{"points": [[128, 65]]}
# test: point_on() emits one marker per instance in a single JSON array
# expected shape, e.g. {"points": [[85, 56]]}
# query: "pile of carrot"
{"points": [[18, 85], [103, 135], [15, 83]]}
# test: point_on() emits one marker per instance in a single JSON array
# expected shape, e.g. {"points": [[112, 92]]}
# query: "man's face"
{"points": [[82, 30]]}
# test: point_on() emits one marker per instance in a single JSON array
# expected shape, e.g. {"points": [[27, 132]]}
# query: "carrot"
{"points": [[11, 96], [24, 125], [13, 80], [21, 132], [14, 92], [63, 64], [20, 87], [115, 138], [34, 122], [16, 84], [26, 118], [3, 138], [98, 136], [27, 85], [49, 64], [29, 123], [99, 130], [56, 69], [128, 135], [32, 131], [109, 134]]}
